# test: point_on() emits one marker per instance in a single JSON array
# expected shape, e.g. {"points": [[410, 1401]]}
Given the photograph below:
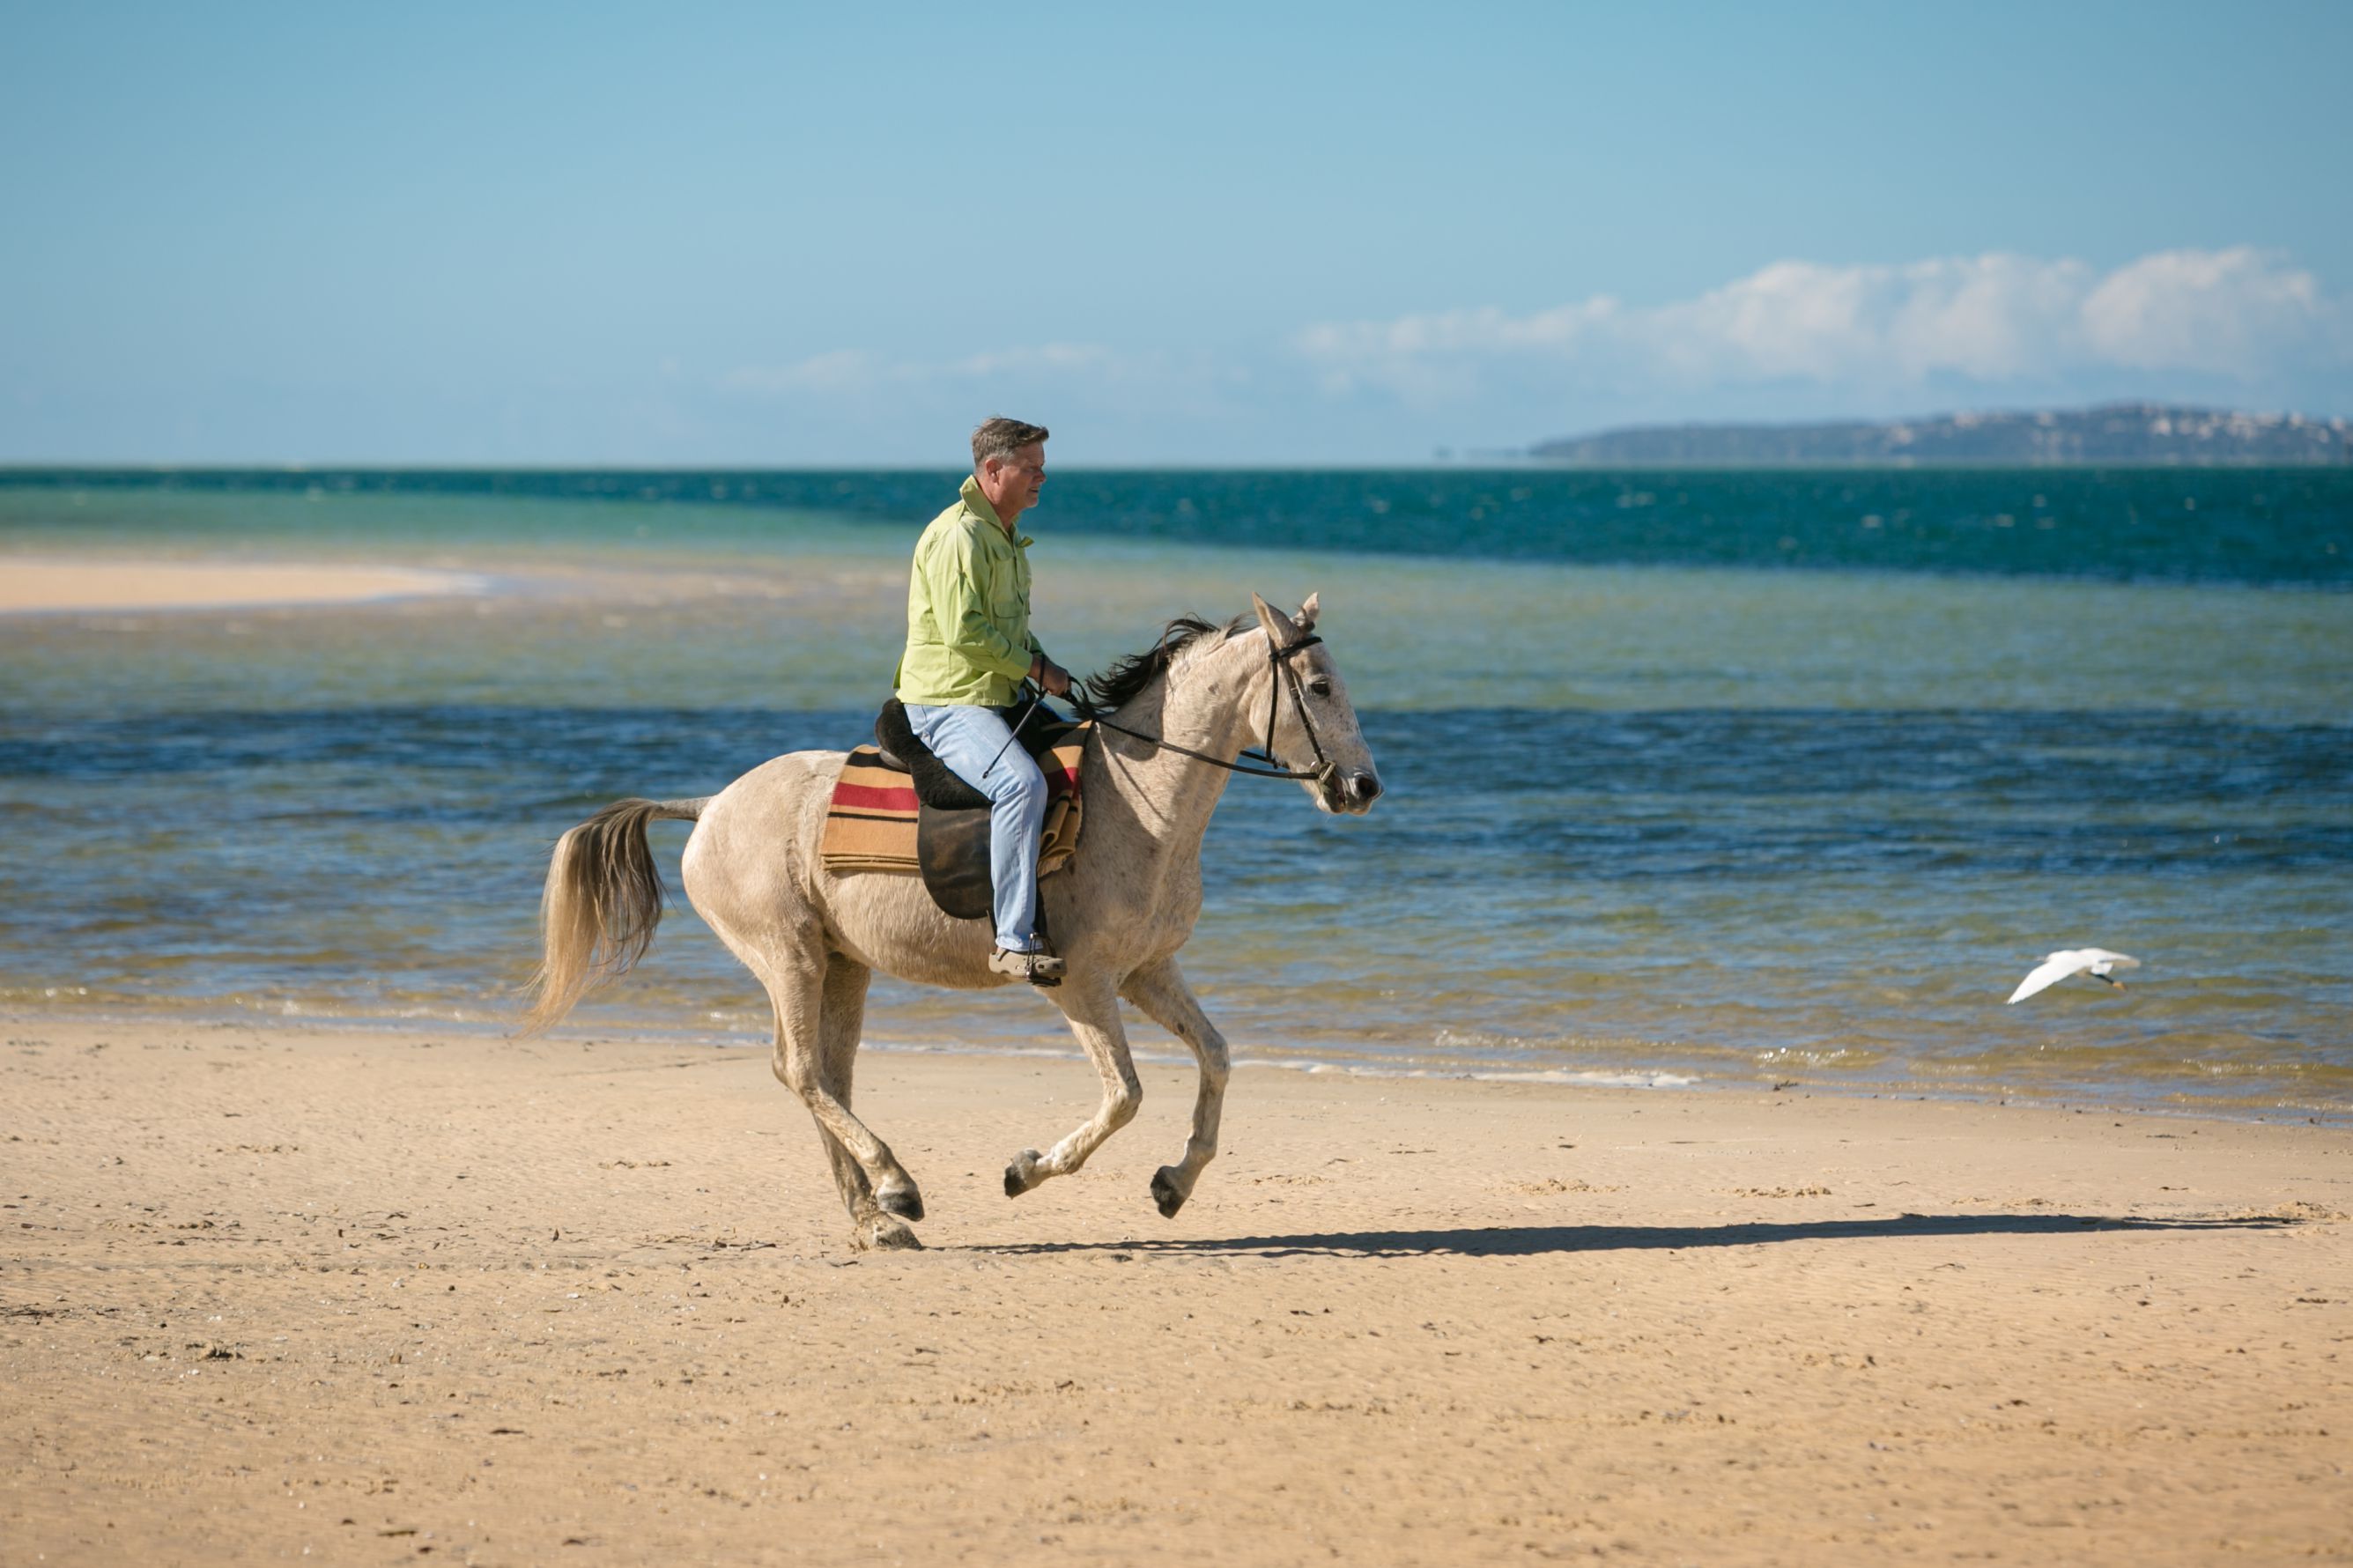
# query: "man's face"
{"points": [[1014, 481]]}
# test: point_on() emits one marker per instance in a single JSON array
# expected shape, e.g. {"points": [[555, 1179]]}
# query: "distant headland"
{"points": [[2138, 434]]}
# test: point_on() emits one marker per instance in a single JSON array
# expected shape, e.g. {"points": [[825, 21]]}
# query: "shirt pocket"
{"points": [[1009, 594]]}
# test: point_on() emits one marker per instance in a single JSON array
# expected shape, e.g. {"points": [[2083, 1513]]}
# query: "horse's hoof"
{"points": [[905, 1202], [1023, 1173], [1166, 1194], [883, 1233]]}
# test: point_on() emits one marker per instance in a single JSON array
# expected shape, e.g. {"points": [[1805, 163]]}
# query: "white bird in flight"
{"points": [[2097, 961]]}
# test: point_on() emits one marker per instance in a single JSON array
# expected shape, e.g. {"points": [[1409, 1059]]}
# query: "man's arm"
{"points": [[1045, 671], [1048, 674]]}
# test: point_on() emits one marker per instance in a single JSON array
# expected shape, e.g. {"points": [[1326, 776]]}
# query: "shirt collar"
{"points": [[977, 503]]}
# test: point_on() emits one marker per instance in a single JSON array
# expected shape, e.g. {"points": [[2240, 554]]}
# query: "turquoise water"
{"points": [[2280, 525], [1658, 810]]}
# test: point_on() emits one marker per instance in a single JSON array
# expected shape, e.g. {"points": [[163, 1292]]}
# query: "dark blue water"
{"points": [[2279, 525], [1575, 885]]}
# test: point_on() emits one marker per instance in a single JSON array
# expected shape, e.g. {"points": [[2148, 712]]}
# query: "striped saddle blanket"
{"points": [[870, 824]]}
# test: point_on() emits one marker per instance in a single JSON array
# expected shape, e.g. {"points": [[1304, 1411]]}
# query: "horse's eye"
{"points": [[1319, 686]]}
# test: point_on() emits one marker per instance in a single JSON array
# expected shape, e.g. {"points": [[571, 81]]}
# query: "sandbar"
{"points": [[38, 585], [410, 1296]]}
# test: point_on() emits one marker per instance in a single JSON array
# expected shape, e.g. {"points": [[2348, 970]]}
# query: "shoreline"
{"points": [[1050, 1041], [278, 1287], [61, 585]]}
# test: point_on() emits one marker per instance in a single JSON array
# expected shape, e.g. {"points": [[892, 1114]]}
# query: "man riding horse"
{"points": [[970, 648], [1172, 724]]}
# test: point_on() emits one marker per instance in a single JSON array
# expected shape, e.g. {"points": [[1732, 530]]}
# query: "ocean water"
{"points": [[1724, 779]]}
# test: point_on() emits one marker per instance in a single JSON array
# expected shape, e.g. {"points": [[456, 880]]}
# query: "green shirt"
{"points": [[969, 642]]}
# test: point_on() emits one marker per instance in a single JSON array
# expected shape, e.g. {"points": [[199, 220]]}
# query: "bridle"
{"points": [[1286, 678]]}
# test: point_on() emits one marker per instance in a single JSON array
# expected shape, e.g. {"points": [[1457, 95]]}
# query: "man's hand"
{"points": [[1050, 675]]}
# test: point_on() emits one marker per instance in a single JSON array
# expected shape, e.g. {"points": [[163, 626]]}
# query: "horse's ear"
{"points": [[1280, 629], [1307, 613]]}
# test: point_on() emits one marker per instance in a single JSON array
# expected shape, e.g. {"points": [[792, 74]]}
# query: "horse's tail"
{"points": [[603, 900]]}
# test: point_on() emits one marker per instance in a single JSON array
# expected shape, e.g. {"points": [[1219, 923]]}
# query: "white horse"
{"points": [[1119, 911]]}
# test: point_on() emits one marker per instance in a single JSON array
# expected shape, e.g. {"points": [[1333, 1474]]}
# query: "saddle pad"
{"points": [[870, 824]]}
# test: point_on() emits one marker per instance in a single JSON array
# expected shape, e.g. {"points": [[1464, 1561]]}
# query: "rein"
{"points": [[1285, 677]]}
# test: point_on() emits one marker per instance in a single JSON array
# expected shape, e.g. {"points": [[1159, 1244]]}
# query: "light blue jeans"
{"points": [[969, 740]]}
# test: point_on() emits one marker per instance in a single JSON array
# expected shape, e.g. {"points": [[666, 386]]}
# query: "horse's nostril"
{"points": [[1364, 787]]}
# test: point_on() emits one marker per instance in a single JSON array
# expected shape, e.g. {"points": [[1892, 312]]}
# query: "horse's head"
{"points": [[1315, 726]]}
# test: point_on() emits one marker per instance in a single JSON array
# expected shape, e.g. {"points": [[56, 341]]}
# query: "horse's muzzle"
{"points": [[1358, 791]]}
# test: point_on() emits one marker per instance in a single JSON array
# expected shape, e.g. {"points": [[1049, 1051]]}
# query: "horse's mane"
{"points": [[1119, 684]]}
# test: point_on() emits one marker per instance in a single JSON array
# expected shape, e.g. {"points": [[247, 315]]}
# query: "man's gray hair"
{"points": [[1001, 437]]}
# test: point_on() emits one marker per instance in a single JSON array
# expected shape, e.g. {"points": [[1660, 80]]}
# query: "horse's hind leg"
{"points": [[842, 1006], [1094, 1013], [1159, 989], [874, 1187], [841, 1024]]}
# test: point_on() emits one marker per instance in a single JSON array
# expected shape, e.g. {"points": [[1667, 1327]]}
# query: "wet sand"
{"points": [[410, 1297], [56, 584]]}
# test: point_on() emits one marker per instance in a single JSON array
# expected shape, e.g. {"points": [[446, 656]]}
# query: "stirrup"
{"points": [[1038, 968]]}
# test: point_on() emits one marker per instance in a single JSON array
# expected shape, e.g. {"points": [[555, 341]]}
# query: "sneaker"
{"points": [[1038, 968]]}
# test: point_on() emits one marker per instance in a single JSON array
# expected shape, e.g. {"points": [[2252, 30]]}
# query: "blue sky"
{"points": [[794, 235]]}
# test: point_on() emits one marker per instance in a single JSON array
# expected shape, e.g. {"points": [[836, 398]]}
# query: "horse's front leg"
{"points": [[1092, 1008], [1159, 989]]}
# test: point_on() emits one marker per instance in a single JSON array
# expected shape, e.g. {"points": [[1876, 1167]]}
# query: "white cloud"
{"points": [[2226, 311], [1054, 358], [1990, 319], [846, 371], [839, 370]]}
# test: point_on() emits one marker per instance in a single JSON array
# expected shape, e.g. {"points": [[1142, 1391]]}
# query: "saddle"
{"points": [[896, 807]]}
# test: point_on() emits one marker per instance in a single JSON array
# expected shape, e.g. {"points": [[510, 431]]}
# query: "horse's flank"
{"points": [[1120, 911]]}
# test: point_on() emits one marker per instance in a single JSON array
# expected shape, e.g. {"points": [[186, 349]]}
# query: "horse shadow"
{"points": [[1540, 1240]]}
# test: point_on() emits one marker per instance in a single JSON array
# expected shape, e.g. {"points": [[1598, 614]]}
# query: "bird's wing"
{"points": [[2101, 960], [2047, 974]]}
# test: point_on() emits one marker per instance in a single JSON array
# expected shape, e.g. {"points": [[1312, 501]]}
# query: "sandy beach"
{"points": [[278, 1292], [43, 584]]}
